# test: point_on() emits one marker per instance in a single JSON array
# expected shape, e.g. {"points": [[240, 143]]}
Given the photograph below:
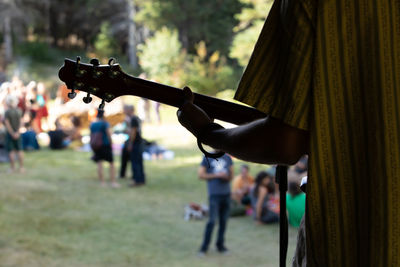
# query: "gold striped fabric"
{"points": [[333, 67]]}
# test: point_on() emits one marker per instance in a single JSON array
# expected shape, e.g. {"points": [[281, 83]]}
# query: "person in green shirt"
{"points": [[295, 204]]}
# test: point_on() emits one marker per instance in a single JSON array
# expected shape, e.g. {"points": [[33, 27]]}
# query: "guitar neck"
{"points": [[109, 82], [214, 107]]}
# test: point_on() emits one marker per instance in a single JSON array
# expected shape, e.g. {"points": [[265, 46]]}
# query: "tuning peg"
{"points": [[111, 61], [87, 99], [94, 62], [103, 103], [72, 94], [96, 73]]}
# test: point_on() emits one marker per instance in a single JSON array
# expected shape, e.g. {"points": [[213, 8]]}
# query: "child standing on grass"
{"points": [[104, 153], [12, 121]]}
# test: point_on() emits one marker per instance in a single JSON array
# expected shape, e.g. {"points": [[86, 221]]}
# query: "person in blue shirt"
{"points": [[105, 152], [218, 173], [29, 141]]}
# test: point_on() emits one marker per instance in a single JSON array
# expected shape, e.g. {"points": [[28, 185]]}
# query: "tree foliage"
{"points": [[200, 43], [163, 60], [208, 75], [105, 45], [251, 20], [209, 21], [161, 56]]}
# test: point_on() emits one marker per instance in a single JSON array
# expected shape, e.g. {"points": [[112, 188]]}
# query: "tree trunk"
{"points": [[47, 6], [8, 49], [131, 35]]}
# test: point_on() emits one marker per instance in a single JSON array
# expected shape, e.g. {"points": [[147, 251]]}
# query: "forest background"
{"points": [[202, 43]]}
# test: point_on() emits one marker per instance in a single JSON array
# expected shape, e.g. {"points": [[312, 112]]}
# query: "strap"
{"points": [[200, 136], [281, 179], [215, 155]]}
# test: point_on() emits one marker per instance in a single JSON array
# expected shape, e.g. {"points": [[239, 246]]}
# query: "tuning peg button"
{"points": [[101, 106], [94, 62], [87, 99], [72, 94]]}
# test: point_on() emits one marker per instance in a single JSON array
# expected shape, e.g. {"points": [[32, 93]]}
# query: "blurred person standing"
{"points": [[157, 107], [22, 99], [218, 173], [4, 92], [135, 148], [129, 111], [31, 104], [3, 76], [12, 121], [42, 112], [104, 153], [144, 109]]}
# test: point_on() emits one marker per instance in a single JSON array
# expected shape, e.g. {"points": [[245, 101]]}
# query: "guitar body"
{"points": [[109, 82]]}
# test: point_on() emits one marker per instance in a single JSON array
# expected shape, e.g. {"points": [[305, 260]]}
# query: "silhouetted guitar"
{"points": [[109, 81]]}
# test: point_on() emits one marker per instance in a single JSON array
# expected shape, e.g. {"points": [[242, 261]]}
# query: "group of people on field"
{"points": [[32, 99], [24, 116], [258, 197], [23, 113], [132, 149]]}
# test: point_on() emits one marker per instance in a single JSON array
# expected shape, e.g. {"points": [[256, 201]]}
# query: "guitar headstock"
{"points": [[103, 81]]}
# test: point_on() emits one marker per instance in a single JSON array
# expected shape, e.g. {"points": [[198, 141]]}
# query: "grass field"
{"points": [[57, 214]]}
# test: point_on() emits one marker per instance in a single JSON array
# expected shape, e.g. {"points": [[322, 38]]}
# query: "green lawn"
{"points": [[57, 215]]}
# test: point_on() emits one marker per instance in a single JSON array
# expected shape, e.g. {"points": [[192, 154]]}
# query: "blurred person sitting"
{"points": [[12, 121], [58, 137], [75, 133], [152, 150], [29, 140], [295, 203], [242, 185], [301, 167], [104, 153], [264, 200]]}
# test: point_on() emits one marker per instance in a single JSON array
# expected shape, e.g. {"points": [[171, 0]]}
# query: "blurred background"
{"points": [[202, 43], [55, 213]]}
